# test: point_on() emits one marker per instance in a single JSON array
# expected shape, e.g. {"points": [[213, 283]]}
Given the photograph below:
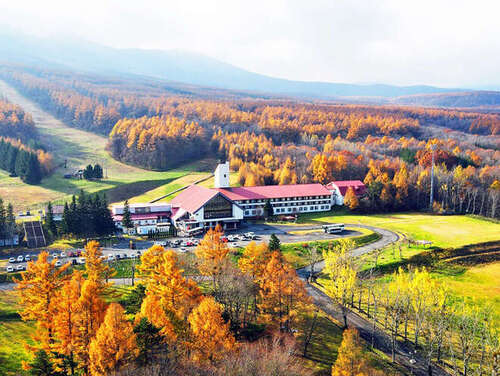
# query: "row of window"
{"points": [[289, 204], [284, 199], [254, 212]]}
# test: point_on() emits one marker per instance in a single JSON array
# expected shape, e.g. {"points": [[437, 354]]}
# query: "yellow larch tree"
{"points": [[66, 318], [339, 267], [170, 297], [95, 267], [211, 338], [149, 262], [282, 294], [254, 259], [351, 360], [114, 344], [38, 290], [91, 309], [350, 199], [212, 253]]}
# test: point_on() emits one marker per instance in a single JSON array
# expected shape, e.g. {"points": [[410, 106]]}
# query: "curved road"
{"points": [[413, 363]]}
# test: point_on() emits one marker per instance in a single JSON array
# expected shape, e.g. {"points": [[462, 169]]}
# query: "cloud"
{"points": [[439, 42]]}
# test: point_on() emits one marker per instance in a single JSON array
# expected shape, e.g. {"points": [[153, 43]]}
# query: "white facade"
{"points": [[337, 198], [221, 176], [142, 208], [285, 206]]}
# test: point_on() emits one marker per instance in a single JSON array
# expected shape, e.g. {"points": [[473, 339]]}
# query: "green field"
{"points": [[444, 231]]}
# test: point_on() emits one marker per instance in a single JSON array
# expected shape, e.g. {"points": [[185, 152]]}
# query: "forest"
{"points": [[271, 141], [22, 154]]}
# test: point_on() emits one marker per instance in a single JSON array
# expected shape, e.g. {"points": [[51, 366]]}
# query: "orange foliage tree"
{"points": [[114, 344]]}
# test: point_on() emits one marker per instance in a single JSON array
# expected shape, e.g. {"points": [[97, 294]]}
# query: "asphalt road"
{"points": [[414, 363]]}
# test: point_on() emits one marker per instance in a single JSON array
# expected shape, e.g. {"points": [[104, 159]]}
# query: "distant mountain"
{"points": [[456, 99], [182, 66]]}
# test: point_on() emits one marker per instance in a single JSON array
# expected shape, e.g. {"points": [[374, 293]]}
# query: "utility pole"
{"points": [[431, 198]]}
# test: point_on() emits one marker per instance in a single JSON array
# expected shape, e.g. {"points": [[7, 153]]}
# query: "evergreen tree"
{"points": [[268, 209], [127, 219], [98, 173], [107, 223], [274, 243], [41, 365], [3, 226], [83, 217], [66, 220], [148, 339], [11, 157], [10, 221], [21, 166], [49, 220], [33, 173], [88, 173]]}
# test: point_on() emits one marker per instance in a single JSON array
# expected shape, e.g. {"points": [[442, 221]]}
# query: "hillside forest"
{"points": [[22, 154], [283, 141]]}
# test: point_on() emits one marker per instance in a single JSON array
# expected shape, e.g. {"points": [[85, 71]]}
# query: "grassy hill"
{"points": [[79, 148]]}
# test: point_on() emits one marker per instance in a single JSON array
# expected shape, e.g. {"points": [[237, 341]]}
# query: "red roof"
{"points": [[137, 217], [274, 191], [343, 185], [193, 198]]}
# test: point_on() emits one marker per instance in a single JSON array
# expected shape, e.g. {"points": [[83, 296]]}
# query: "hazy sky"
{"points": [[438, 42]]}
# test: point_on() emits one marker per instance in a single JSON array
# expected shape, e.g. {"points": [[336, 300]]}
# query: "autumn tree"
{"points": [[114, 344], [38, 291], [254, 259], [351, 200], [211, 339], [95, 267], [351, 360], [339, 268], [66, 320], [170, 298], [212, 253], [282, 294]]}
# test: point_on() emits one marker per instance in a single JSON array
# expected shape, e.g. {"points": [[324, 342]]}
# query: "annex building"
{"points": [[197, 208]]}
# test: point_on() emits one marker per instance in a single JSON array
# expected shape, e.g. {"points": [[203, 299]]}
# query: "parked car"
{"points": [[58, 263], [55, 255], [189, 243], [224, 239], [71, 254], [183, 250], [20, 268], [20, 258], [63, 254], [12, 260], [124, 256], [27, 258], [111, 258], [81, 260], [9, 269]]}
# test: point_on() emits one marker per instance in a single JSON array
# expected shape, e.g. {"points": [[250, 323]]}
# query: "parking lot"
{"points": [[235, 239]]}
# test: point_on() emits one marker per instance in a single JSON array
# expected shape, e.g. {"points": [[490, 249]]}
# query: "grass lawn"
{"points": [[444, 231], [13, 334]]}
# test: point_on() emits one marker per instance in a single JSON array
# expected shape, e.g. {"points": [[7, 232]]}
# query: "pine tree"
{"points": [[41, 365], [66, 220], [10, 222], [49, 221], [268, 209], [274, 243], [98, 173], [88, 173], [3, 221], [148, 339], [127, 219], [33, 173]]}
